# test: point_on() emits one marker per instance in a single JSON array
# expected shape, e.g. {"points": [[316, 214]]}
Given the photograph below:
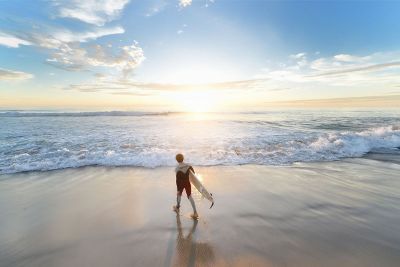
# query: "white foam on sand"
{"points": [[103, 149]]}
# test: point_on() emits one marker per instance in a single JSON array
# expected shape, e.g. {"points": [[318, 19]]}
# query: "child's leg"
{"points": [[188, 190], [179, 190], [178, 199], [193, 204]]}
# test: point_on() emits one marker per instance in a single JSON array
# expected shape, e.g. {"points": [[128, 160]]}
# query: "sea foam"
{"points": [[39, 143]]}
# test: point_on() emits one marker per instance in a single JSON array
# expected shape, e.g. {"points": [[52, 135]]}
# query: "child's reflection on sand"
{"points": [[188, 251]]}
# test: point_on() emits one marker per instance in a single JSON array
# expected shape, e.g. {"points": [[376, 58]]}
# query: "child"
{"points": [[182, 182]]}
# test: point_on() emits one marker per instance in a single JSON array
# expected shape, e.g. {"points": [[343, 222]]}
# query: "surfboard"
{"points": [[200, 187]]}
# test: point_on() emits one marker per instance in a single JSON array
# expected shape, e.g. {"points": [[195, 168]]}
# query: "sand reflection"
{"points": [[189, 252]]}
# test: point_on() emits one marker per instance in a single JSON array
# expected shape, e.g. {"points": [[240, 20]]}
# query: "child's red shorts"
{"points": [[182, 182]]}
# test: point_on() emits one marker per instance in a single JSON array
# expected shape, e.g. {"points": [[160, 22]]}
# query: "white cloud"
{"points": [[156, 8], [71, 56], [56, 38], [298, 56], [125, 60], [369, 68], [71, 50], [185, 3], [300, 59], [350, 58], [208, 2], [325, 64], [68, 36], [378, 70], [131, 87], [14, 75], [345, 63], [96, 12], [12, 41], [68, 50]]}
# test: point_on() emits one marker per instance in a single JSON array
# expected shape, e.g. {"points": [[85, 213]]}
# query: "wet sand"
{"points": [[343, 213]]}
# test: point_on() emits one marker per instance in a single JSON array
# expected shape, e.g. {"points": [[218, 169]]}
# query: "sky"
{"points": [[198, 55]]}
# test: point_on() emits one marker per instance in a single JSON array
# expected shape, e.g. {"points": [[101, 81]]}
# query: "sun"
{"points": [[198, 101]]}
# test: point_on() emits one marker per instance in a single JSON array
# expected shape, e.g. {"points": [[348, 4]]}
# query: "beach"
{"points": [[338, 213], [288, 111]]}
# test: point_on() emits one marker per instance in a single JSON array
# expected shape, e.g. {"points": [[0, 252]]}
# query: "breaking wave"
{"points": [[38, 144]]}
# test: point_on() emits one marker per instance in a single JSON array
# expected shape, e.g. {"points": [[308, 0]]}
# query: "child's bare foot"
{"points": [[194, 216], [175, 208]]}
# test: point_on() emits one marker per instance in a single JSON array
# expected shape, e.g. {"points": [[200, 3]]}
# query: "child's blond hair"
{"points": [[179, 158]]}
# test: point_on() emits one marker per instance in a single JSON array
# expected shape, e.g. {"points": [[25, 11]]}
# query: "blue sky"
{"points": [[160, 53]]}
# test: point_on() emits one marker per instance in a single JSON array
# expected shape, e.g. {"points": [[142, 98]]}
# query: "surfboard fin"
{"points": [[212, 203]]}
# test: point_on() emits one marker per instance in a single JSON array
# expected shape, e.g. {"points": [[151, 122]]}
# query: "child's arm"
{"points": [[191, 169]]}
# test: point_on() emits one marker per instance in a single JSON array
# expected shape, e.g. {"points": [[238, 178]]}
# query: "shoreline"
{"points": [[309, 214], [382, 157]]}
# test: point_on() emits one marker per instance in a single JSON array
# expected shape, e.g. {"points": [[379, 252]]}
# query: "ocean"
{"points": [[50, 140]]}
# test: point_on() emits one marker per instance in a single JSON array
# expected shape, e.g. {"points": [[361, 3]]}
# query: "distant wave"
{"points": [[81, 114]]}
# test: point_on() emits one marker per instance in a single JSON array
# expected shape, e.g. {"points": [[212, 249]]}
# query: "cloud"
{"points": [[71, 56], [228, 85], [300, 59], [367, 101], [181, 30], [12, 41], [14, 75], [132, 93], [329, 73], [279, 89], [325, 64], [316, 77], [342, 70], [185, 3], [349, 58], [393, 93], [70, 51], [130, 87], [68, 36], [126, 59], [96, 12], [52, 38], [208, 2], [298, 56], [156, 8], [362, 68]]}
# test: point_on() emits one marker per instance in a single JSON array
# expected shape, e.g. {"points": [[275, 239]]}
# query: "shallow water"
{"points": [[55, 140]]}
